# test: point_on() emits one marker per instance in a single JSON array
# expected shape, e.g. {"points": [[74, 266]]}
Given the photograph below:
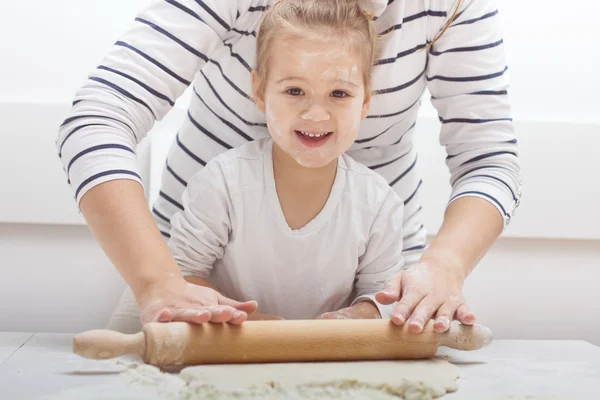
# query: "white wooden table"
{"points": [[42, 366]]}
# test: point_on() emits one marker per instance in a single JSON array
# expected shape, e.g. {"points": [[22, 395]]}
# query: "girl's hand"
{"points": [[362, 310], [175, 299], [429, 289]]}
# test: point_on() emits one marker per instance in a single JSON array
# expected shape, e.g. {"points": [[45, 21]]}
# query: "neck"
{"points": [[288, 170]]}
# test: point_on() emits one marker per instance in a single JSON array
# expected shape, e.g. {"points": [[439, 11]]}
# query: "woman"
{"points": [[210, 44]]}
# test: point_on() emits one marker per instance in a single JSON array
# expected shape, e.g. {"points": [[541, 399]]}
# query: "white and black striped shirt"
{"points": [[210, 45]]}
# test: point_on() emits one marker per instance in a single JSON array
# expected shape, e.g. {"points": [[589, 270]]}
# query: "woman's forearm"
{"points": [[471, 225], [119, 217]]}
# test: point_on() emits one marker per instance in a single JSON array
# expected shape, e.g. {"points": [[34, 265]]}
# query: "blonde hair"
{"points": [[343, 20]]}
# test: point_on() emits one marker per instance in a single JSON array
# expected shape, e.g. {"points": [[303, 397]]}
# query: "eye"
{"points": [[294, 91], [339, 94]]}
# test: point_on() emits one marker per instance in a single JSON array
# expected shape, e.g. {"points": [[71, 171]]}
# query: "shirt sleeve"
{"points": [[137, 83], [383, 255], [468, 78], [201, 231]]}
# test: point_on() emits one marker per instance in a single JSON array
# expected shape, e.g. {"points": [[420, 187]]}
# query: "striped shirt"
{"points": [[210, 45]]}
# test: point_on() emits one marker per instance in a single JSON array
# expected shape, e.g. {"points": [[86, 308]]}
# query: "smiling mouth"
{"points": [[313, 139], [313, 135]]}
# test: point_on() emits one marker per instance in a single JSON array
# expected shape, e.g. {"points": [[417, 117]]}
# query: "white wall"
{"points": [[539, 281], [49, 46]]}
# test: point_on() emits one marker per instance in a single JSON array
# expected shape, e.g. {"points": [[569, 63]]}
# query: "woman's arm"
{"points": [[136, 83], [468, 79], [471, 225], [131, 239], [434, 287], [118, 215]]}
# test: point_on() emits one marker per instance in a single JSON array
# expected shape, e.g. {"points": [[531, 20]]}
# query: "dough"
{"points": [[422, 379]]}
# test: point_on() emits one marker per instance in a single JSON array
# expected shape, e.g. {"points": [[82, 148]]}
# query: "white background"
{"points": [[539, 281]]}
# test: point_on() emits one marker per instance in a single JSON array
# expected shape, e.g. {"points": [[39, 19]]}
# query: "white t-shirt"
{"points": [[234, 233]]}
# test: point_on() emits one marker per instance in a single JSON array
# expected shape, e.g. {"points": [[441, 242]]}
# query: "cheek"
{"points": [[276, 117], [351, 115]]}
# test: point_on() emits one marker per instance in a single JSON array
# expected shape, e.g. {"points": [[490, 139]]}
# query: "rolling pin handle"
{"points": [[103, 344], [466, 337]]}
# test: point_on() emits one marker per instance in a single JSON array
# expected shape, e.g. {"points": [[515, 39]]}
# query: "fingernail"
{"points": [[416, 323], [389, 292], [398, 318], [163, 316], [237, 314]]}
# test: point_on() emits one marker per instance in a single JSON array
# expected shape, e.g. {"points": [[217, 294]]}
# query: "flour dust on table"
{"points": [[381, 380]]}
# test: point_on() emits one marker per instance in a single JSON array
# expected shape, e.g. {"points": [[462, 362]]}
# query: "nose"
{"points": [[316, 113]]}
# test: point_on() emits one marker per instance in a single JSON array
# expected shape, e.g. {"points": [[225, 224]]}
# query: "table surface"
{"points": [[43, 366]]}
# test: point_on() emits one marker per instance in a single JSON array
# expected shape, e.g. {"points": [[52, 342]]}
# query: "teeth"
{"points": [[312, 134]]}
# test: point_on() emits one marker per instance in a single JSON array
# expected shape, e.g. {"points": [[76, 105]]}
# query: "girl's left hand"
{"points": [[429, 289], [362, 310]]}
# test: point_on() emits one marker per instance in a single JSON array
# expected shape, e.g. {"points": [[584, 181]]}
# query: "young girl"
{"points": [[290, 221]]}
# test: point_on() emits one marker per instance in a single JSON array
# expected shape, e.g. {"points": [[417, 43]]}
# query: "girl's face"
{"points": [[314, 98]]}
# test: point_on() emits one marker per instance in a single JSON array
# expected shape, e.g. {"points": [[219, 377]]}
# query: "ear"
{"points": [[257, 91], [366, 104]]}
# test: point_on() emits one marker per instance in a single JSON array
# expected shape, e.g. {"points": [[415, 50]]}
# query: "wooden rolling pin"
{"points": [[180, 343]]}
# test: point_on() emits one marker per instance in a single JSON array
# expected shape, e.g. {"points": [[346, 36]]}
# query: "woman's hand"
{"points": [[256, 316], [429, 289], [362, 310], [175, 299]]}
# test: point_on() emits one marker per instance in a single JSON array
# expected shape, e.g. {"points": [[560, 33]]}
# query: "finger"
{"points": [[164, 316], [200, 317], [221, 314], [391, 290], [327, 315], [444, 316], [405, 306], [335, 315], [464, 315], [423, 313], [247, 306], [196, 316], [239, 317]]}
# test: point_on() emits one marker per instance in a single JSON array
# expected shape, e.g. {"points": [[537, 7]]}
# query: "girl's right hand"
{"points": [[175, 299]]}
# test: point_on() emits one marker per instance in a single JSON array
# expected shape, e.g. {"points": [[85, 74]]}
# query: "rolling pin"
{"points": [[182, 343]]}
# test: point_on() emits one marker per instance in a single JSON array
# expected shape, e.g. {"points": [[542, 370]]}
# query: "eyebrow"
{"points": [[290, 78]]}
